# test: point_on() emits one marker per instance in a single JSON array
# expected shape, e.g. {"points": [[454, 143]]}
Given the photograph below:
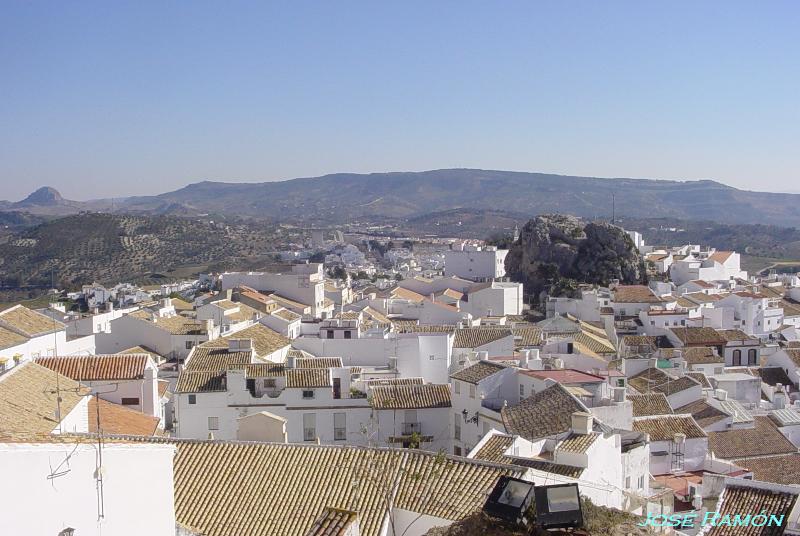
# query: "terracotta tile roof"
{"points": [[220, 485], [720, 256], [634, 294], [649, 404], [778, 469], [289, 304], [163, 388], [27, 322], [144, 350], [702, 297], [412, 327], [119, 420], [547, 466], [476, 337], [28, 400], [494, 448], [594, 343], [701, 336], [546, 413], [694, 355], [740, 500], [265, 340], [286, 314], [10, 338], [656, 380], [762, 440], [735, 335], [175, 325], [641, 342], [405, 294], [564, 376], [703, 413], [664, 427], [310, 377], [527, 336], [700, 378], [477, 372], [394, 381], [318, 362], [215, 359], [98, 367], [333, 522], [423, 396], [578, 443], [200, 382], [265, 370]]}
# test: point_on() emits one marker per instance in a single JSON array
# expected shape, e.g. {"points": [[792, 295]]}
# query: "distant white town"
{"points": [[366, 398]]}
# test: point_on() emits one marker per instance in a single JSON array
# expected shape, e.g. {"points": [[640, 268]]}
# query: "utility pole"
{"points": [[613, 208]]}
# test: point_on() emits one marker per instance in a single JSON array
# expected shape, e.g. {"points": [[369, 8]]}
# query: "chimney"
{"points": [[534, 361], [582, 423], [619, 394], [523, 359], [779, 397], [558, 364], [721, 394], [209, 326]]}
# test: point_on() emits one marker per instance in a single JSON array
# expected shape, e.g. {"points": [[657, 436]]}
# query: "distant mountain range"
{"points": [[348, 197]]}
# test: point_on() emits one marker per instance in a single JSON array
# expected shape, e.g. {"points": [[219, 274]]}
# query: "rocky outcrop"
{"points": [[557, 252]]}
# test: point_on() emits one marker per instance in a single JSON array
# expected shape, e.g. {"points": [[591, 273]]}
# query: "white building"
{"points": [[476, 263], [303, 283], [710, 266], [129, 493]]}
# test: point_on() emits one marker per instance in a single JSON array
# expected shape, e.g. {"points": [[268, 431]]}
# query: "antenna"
{"points": [[613, 207]]}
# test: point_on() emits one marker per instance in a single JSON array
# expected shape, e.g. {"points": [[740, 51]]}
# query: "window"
{"points": [[130, 401], [627, 482], [737, 358], [213, 423], [192, 399], [457, 451], [521, 391], [471, 391], [457, 386], [339, 426], [457, 427], [330, 334], [189, 345], [309, 426], [269, 383], [348, 334], [752, 356], [308, 394], [641, 482]]}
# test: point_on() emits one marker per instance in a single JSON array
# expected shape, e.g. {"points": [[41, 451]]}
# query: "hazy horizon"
{"points": [[114, 100]]}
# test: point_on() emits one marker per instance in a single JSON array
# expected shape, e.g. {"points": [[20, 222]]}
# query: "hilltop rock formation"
{"points": [[44, 196], [556, 252]]}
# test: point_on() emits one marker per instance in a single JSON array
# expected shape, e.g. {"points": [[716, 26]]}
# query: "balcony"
{"points": [[412, 428]]}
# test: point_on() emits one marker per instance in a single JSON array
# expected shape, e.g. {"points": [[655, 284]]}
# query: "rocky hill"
{"points": [[111, 248], [556, 252]]}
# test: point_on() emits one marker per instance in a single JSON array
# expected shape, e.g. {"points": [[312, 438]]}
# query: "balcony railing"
{"points": [[412, 428]]}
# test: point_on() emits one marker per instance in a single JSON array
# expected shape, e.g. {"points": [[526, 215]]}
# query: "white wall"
{"points": [[475, 264], [137, 489]]}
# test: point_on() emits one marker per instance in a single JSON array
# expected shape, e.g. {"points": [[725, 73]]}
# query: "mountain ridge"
{"points": [[341, 197]]}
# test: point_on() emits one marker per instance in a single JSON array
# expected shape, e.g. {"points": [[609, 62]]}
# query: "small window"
{"points": [[308, 394], [269, 383], [457, 386], [330, 333], [339, 426], [213, 423], [627, 482], [471, 391], [189, 345], [348, 334], [130, 401], [521, 391], [457, 451], [192, 399]]}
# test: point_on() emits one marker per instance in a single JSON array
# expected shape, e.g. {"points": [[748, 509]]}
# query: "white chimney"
{"points": [[582, 423], [558, 364], [523, 359], [721, 394], [619, 394], [779, 398], [534, 361]]}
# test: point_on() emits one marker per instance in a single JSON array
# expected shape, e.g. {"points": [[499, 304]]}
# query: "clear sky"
{"points": [[101, 99]]}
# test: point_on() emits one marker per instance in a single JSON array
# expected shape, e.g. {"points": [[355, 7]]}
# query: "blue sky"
{"points": [[104, 99]]}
